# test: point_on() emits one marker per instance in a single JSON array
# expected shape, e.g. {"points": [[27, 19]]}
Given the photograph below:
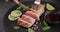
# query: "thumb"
{"points": [[16, 1]]}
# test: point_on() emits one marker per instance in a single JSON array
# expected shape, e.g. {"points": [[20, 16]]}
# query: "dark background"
{"points": [[4, 7]]}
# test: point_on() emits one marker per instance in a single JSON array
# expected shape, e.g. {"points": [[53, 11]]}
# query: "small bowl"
{"points": [[47, 13]]}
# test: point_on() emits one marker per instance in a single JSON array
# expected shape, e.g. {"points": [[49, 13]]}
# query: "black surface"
{"points": [[4, 7]]}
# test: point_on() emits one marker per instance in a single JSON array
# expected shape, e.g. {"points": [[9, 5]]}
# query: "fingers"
{"points": [[16, 1], [6, 0]]}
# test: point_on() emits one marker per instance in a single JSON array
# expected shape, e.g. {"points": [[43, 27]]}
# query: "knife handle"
{"points": [[23, 6]]}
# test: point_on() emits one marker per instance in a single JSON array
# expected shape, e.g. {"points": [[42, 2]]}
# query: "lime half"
{"points": [[11, 18], [16, 13]]}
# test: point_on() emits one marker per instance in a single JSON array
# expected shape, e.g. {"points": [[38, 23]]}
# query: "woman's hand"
{"points": [[15, 1]]}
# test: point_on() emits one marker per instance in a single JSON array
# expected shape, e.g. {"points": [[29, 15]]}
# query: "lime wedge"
{"points": [[50, 7]]}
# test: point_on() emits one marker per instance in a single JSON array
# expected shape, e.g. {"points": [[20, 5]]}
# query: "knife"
{"points": [[23, 6], [27, 8]]}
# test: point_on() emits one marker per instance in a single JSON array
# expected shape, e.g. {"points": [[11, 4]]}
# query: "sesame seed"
{"points": [[34, 25], [36, 22], [40, 22], [34, 28], [37, 27]]}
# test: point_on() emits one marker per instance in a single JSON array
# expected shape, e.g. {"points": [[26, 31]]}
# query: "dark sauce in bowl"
{"points": [[53, 18]]}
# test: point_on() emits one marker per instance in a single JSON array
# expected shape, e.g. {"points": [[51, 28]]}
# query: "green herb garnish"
{"points": [[16, 27], [46, 28], [45, 23], [30, 30]]}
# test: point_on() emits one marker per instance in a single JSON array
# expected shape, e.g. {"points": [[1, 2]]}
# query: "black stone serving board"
{"points": [[4, 8]]}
